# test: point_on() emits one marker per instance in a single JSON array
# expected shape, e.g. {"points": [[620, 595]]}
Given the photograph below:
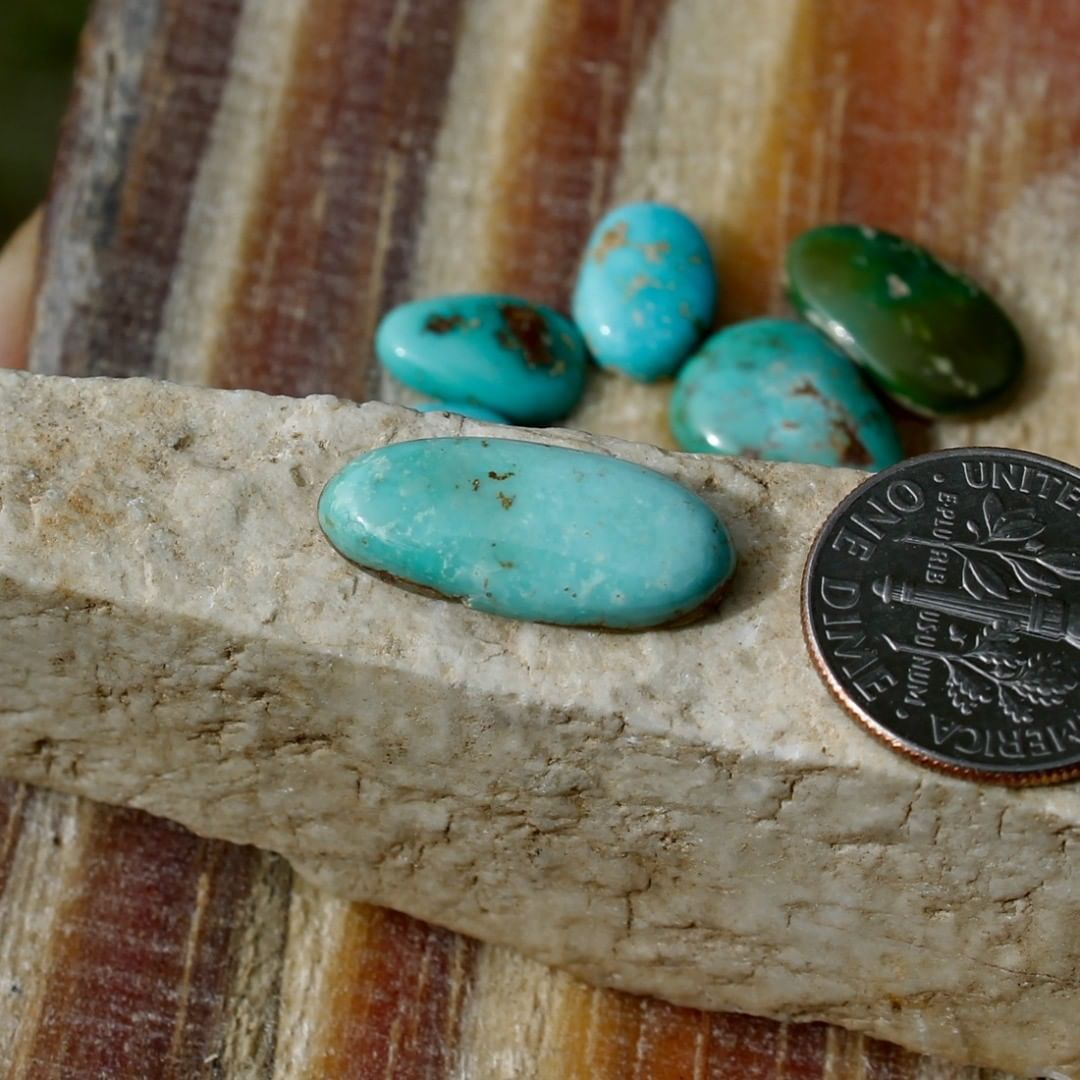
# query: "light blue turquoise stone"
{"points": [[473, 412], [777, 390], [646, 290], [520, 359], [530, 531]]}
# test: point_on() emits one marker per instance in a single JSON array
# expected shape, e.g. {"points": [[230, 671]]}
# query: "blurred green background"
{"points": [[38, 39]]}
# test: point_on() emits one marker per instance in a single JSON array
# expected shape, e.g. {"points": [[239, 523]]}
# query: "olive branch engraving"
{"points": [[992, 669], [1007, 545]]}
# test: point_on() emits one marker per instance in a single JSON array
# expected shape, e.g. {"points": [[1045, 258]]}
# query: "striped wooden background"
{"points": [[243, 188]]}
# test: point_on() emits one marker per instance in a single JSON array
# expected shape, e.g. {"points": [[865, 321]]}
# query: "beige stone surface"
{"points": [[683, 813]]}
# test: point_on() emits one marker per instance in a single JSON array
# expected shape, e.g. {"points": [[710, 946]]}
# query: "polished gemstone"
{"points": [[777, 390], [473, 412], [530, 531], [646, 290], [521, 360], [930, 337]]}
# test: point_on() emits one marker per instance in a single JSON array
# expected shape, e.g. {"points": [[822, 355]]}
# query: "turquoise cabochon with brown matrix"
{"points": [[646, 290], [510, 356], [530, 531], [774, 389], [926, 334]]}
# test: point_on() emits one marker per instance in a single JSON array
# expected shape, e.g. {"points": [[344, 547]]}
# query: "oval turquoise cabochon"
{"points": [[519, 359], [530, 531], [926, 334], [778, 390], [646, 290]]}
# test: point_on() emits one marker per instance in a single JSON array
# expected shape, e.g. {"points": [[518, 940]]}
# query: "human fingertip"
{"points": [[18, 262]]}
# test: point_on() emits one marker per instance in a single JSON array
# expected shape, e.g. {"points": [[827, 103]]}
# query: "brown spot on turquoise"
{"points": [[611, 240], [526, 331], [443, 324], [853, 451]]}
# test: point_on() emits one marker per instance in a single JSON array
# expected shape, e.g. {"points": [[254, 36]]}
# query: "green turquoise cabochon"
{"points": [[530, 531], [930, 337]]}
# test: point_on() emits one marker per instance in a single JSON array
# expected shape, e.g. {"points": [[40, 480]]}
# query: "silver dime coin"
{"points": [[941, 605]]}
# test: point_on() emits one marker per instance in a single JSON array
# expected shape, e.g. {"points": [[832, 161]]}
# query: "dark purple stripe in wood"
{"points": [[142, 959], [138, 198]]}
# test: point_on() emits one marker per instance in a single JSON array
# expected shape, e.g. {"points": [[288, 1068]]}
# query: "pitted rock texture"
{"points": [[683, 813]]}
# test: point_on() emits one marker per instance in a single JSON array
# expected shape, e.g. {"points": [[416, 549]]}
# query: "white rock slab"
{"points": [[682, 813]]}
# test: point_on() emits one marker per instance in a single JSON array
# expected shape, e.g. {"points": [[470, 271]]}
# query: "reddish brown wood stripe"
{"points": [[396, 997], [563, 144], [908, 175], [138, 971], [330, 238], [670, 1042], [804, 1054], [755, 1049]]}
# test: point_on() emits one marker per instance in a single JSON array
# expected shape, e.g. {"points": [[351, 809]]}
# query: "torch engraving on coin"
{"points": [[941, 604]]}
